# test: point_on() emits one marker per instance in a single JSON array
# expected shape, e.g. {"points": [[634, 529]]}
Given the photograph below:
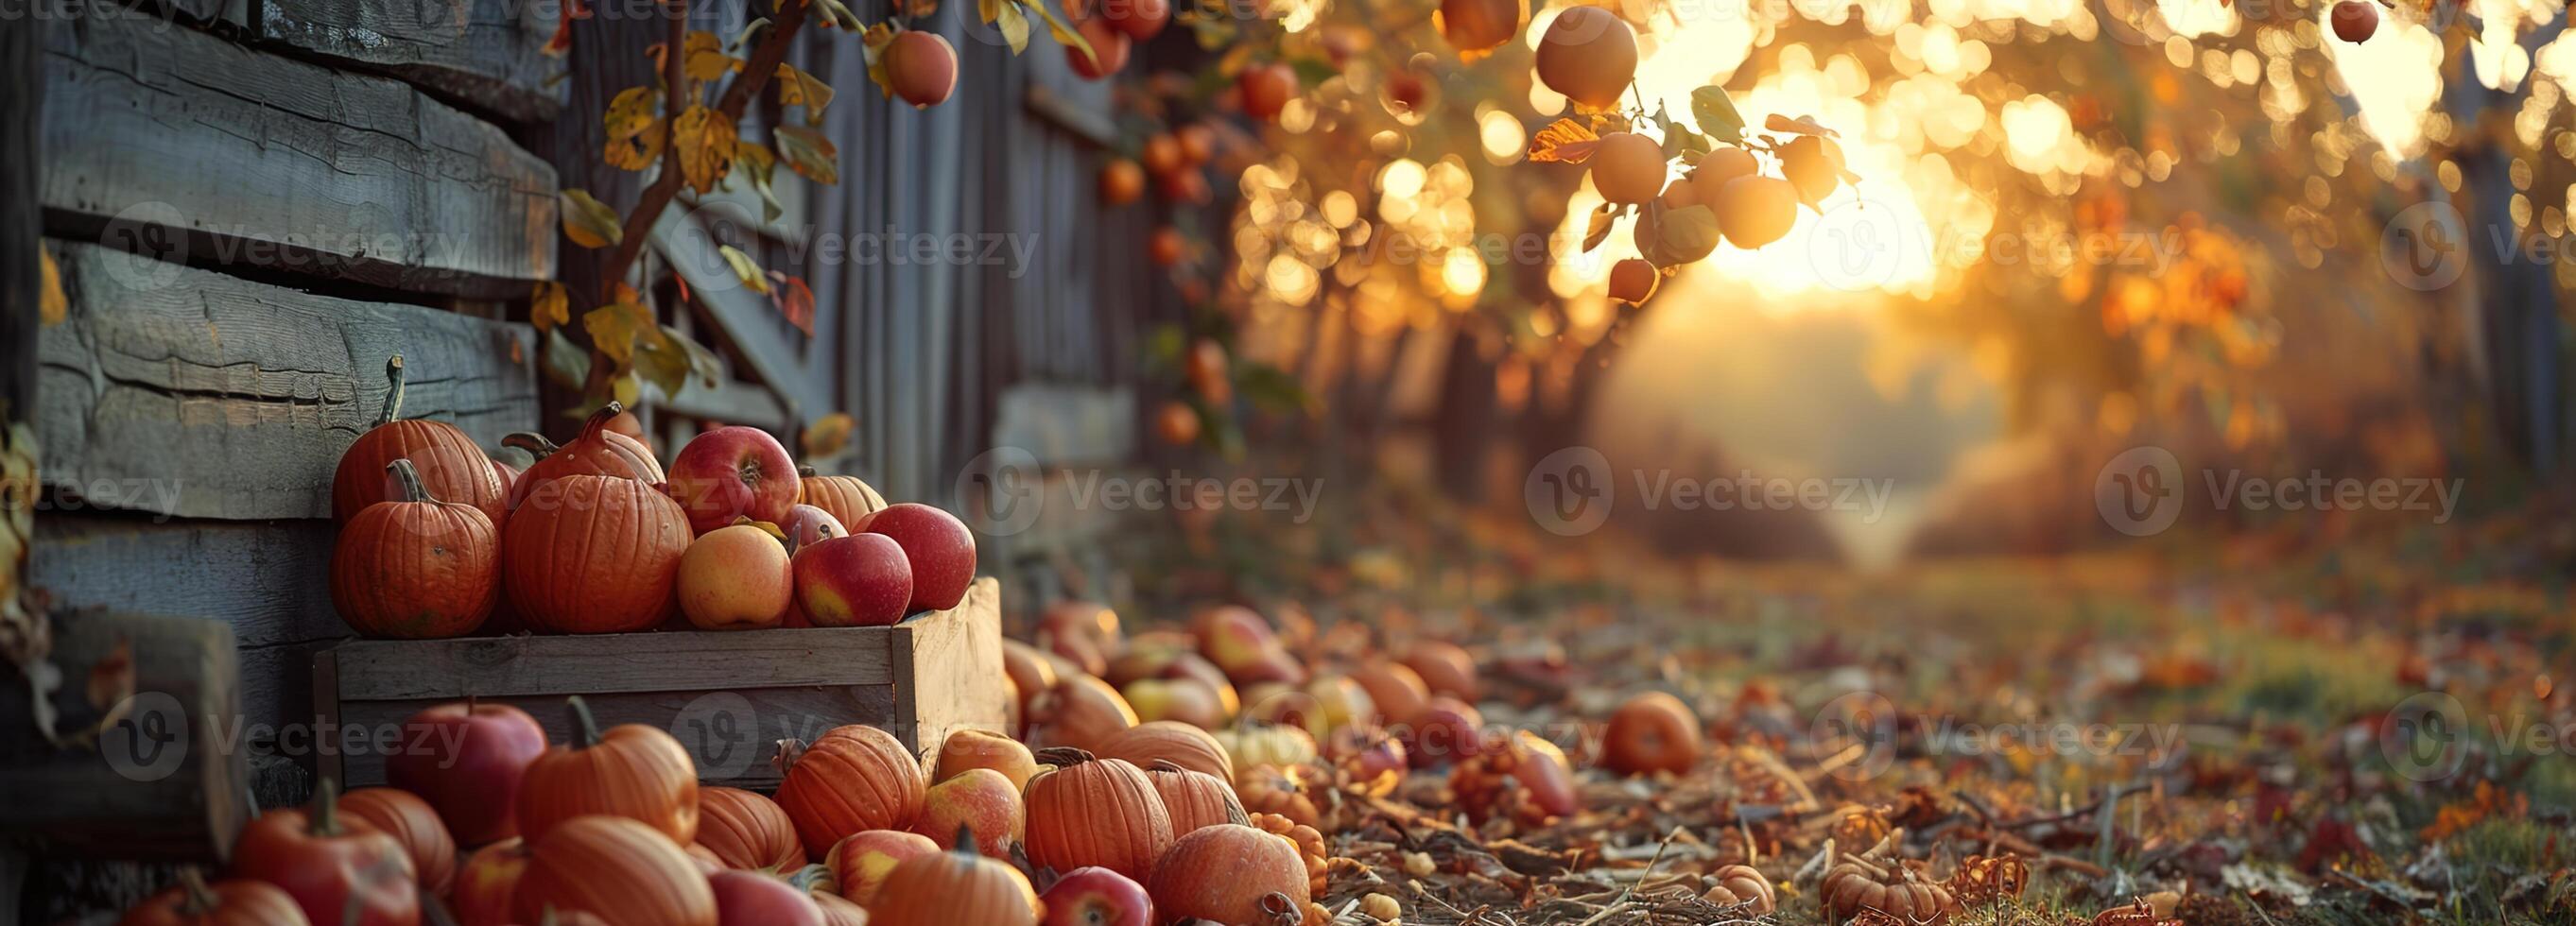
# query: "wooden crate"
{"points": [[728, 697]]}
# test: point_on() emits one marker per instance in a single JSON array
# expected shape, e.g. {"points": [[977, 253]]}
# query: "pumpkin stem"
{"points": [[534, 443], [326, 808], [790, 751], [1064, 756], [407, 484], [585, 728], [1282, 909], [599, 419], [200, 900], [966, 842], [393, 398]]}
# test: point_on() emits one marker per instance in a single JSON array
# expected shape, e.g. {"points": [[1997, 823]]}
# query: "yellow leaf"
{"points": [[615, 327], [808, 153], [706, 144], [875, 41], [703, 57], [51, 305], [549, 306], [798, 88], [634, 131], [1564, 141], [827, 435], [589, 222], [744, 268]]}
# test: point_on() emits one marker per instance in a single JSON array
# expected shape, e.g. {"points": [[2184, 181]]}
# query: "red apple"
{"points": [[465, 758], [861, 861], [1242, 644], [735, 578], [939, 547], [807, 525], [861, 580], [979, 800], [1096, 896], [971, 748], [1445, 731], [484, 887], [733, 472], [747, 898]]}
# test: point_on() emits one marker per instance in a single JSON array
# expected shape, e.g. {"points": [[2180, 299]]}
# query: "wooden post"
{"points": [[22, 93]]}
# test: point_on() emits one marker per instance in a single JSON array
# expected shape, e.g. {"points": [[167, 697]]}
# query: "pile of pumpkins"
{"points": [[439, 540], [615, 828], [1157, 811]]}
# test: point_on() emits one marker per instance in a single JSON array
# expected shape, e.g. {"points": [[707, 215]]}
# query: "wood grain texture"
{"points": [[162, 782], [728, 696], [174, 142], [488, 53], [185, 392]]}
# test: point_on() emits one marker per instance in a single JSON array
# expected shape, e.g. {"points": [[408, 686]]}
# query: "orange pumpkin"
{"points": [[237, 902], [412, 822], [1739, 885], [850, 779], [1231, 874], [598, 450], [847, 498], [601, 555], [616, 869], [1652, 732], [955, 887], [1194, 799], [1081, 711], [840, 912], [1092, 811], [1898, 889], [746, 830], [331, 864], [416, 568], [450, 465], [1171, 741], [632, 771]]}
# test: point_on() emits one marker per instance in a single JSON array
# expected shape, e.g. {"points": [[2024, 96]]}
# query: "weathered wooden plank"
{"points": [[180, 144], [162, 781], [378, 670], [269, 580], [185, 392], [744, 316], [487, 53], [947, 677]]}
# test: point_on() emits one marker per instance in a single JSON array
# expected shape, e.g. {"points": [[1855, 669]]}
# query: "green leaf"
{"points": [[1312, 72], [1063, 33], [1272, 389], [1163, 346], [1716, 115], [566, 363], [662, 362], [1689, 233], [703, 363], [744, 268]]}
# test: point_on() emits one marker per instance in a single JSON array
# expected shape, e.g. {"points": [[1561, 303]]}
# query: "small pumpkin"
{"points": [[847, 498], [1309, 843], [1194, 799], [598, 450], [632, 770], [1282, 790], [450, 465], [330, 863], [1895, 887], [1231, 874], [851, 778], [957, 886], [416, 568], [1738, 885], [235, 902], [1093, 811], [745, 830], [614, 868], [595, 554], [412, 822], [1266, 744], [1171, 741]]}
